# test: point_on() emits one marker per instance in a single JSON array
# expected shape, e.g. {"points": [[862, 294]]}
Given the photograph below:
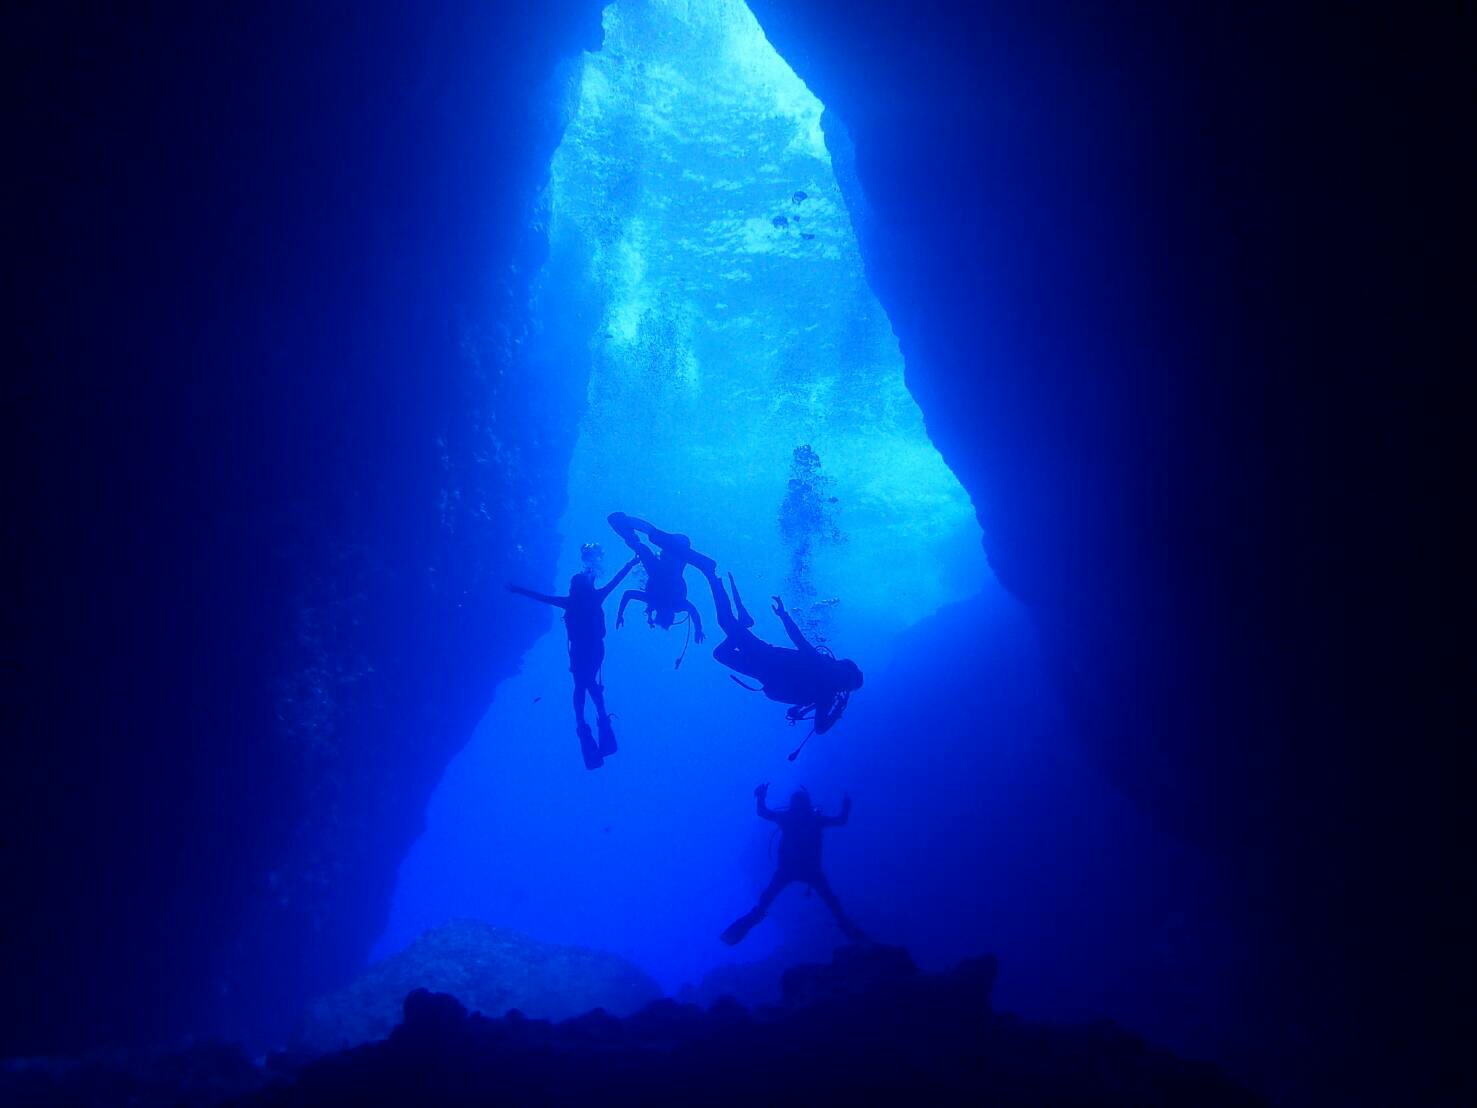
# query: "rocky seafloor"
{"points": [[868, 1027], [489, 969]]}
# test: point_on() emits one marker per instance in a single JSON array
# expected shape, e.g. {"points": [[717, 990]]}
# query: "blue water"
{"points": [[704, 272]]}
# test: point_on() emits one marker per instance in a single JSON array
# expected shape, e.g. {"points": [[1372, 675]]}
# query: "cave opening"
{"points": [[745, 387]]}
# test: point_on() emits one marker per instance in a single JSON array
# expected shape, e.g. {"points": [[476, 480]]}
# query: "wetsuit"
{"points": [[584, 623], [666, 587], [802, 829], [802, 677]]}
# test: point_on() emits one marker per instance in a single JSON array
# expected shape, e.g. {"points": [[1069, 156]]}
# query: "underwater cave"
{"points": [[745, 387], [1064, 366]]}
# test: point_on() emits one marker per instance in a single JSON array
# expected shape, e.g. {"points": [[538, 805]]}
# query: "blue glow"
{"points": [[745, 387], [694, 194]]}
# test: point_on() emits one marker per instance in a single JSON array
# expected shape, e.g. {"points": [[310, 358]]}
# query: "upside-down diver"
{"points": [[665, 594]]}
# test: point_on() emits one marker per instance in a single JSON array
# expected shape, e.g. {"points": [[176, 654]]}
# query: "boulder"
{"points": [[489, 969], [852, 970]]}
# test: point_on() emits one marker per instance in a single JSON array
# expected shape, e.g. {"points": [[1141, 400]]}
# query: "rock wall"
{"points": [[1175, 317], [274, 473]]}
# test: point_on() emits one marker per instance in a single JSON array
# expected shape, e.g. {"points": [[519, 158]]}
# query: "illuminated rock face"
{"points": [[745, 385]]}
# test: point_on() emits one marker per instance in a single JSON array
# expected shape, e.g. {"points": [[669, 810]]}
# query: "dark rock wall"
{"points": [[271, 269], [1172, 286]]}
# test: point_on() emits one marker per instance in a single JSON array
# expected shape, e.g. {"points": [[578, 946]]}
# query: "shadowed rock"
{"points": [[487, 968], [866, 1028], [853, 970]]}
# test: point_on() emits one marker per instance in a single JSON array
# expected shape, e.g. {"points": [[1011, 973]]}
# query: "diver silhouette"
{"points": [[801, 831], [584, 621], [808, 679], [665, 595]]}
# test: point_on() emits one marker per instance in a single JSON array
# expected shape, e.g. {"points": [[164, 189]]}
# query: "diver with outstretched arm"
{"points": [[584, 621], [810, 680], [801, 831], [665, 595]]}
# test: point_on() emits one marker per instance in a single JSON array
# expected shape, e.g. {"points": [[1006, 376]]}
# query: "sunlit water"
{"points": [[704, 273]]}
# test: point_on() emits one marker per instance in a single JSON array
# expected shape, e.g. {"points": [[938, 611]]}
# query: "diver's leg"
{"points": [[743, 653], [771, 891], [602, 721], [823, 890], [745, 619], [579, 704], [586, 679], [701, 562], [727, 653], [673, 542], [741, 650], [625, 527], [661, 538], [588, 750], [655, 534], [724, 610], [590, 665], [745, 923]]}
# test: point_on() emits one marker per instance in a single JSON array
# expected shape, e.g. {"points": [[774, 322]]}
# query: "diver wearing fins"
{"points": [[584, 621], [814, 682], [665, 594], [802, 829]]}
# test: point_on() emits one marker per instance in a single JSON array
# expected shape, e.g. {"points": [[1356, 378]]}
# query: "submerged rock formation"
{"points": [[867, 1029], [201, 1076], [490, 970]]}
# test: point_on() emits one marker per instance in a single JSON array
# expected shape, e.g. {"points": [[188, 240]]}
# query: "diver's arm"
{"points": [[764, 810], [844, 815], [825, 718], [801, 642], [697, 620], [541, 597], [626, 597], [616, 580]]}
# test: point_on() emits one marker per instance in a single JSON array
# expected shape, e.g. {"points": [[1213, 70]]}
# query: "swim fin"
{"points": [[607, 738], [591, 752], [740, 611], [741, 927]]}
